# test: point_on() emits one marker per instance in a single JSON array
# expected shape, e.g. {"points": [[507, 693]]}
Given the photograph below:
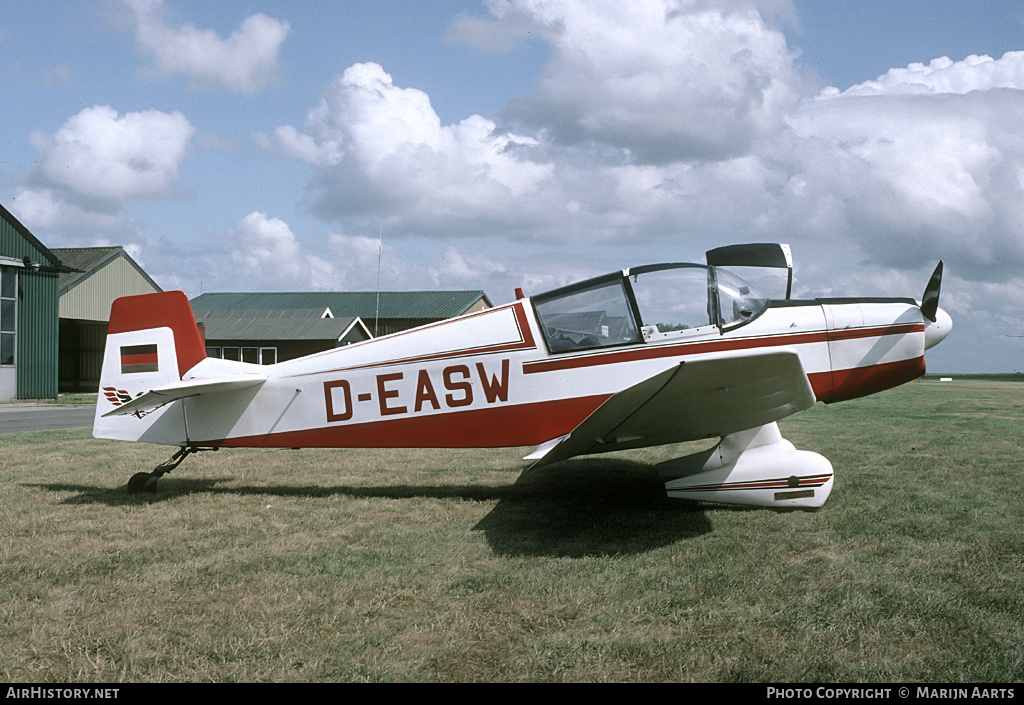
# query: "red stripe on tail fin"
{"points": [[167, 309]]}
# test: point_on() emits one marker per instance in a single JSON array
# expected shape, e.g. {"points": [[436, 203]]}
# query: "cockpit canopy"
{"points": [[646, 304]]}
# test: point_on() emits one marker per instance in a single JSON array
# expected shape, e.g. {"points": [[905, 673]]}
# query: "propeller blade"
{"points": [[930, 300]]}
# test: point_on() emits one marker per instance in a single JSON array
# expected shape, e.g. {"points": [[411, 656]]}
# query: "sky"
{"points": [[273, 145]]}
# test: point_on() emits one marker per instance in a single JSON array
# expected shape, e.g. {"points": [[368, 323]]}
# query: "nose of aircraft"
{"points": [[935, 332]]}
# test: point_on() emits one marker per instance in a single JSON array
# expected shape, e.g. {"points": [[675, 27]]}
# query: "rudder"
{"points": [[166, 309], [152, 340]]}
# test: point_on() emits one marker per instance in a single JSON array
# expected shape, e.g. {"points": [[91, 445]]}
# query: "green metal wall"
{"points": [[37, 326]]}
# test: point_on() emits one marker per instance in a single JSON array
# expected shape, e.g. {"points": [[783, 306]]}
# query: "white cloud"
{"points": [[292, 144], [913, 178], [243, 62], [466, 270], [266, 254], [943, 75], [381, 149], [66, 224], [663, 80], [357, 259], [103, 155], [645, 85]]}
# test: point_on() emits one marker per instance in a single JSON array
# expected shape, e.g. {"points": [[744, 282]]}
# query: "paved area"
{"points": [[16, 418]]}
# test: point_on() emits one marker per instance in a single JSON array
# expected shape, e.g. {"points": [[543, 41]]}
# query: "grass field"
{"points": [[372, 565]]}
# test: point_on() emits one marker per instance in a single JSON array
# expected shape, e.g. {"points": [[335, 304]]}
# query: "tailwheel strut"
{"points": [[146, 481]]}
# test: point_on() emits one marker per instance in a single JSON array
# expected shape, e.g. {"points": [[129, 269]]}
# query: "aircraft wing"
{"points": [[705, 397], [187, 388]]}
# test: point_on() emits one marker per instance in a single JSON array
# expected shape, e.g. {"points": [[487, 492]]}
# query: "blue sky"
{"points": [[850, 41], [268, 145]]}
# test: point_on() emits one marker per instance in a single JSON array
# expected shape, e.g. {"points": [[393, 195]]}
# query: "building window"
{"points": [[256, 356], [8, 313]]}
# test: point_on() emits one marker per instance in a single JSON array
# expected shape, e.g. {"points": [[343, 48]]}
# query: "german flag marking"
{"points": [[138, 358]]}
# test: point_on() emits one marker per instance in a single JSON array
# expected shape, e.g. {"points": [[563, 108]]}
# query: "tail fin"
{"points": [[167, 309], [152, 340]]}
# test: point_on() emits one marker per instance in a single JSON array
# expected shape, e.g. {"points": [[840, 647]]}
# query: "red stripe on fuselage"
{"points": [[493, 427], [862, 381], [778, 484]]}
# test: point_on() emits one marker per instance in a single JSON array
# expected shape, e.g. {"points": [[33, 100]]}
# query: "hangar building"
{"points": [[267, 335], [28, 313], [98, 276], [268, 327]]}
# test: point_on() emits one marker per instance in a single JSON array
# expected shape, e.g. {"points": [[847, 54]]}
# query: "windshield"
{"points": [[738, 301]]}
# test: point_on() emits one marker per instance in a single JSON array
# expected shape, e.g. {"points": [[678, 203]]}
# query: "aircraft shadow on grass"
{"points": [[586, 507]]}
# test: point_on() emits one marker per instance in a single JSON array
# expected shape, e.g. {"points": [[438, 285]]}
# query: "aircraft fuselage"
{"points": [[491, 379]]}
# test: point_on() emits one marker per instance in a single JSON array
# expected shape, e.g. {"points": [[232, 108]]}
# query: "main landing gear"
{"points": [[146, 481]]}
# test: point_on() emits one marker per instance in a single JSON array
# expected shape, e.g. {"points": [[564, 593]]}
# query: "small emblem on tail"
{"points": [[117, 397]]}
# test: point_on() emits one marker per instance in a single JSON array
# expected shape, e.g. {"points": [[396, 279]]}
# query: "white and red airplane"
{"points": [[641, 357]]}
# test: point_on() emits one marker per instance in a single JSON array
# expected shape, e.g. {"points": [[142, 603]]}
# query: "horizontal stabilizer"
{"points": [[187, 388]]}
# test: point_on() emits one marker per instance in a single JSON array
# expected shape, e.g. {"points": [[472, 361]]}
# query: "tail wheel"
{"points": [[137, 483]]}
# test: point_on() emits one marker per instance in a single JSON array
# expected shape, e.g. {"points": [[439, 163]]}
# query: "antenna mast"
{"points": [[380, 250]]}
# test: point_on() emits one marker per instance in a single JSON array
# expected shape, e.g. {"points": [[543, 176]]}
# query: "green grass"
{"points": [[373, 565], [88, 398]]}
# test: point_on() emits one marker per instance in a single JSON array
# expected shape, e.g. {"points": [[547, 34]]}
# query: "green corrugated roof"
{"points": [[90, 260], [393, 304], [17, 241], [271, 324]]}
